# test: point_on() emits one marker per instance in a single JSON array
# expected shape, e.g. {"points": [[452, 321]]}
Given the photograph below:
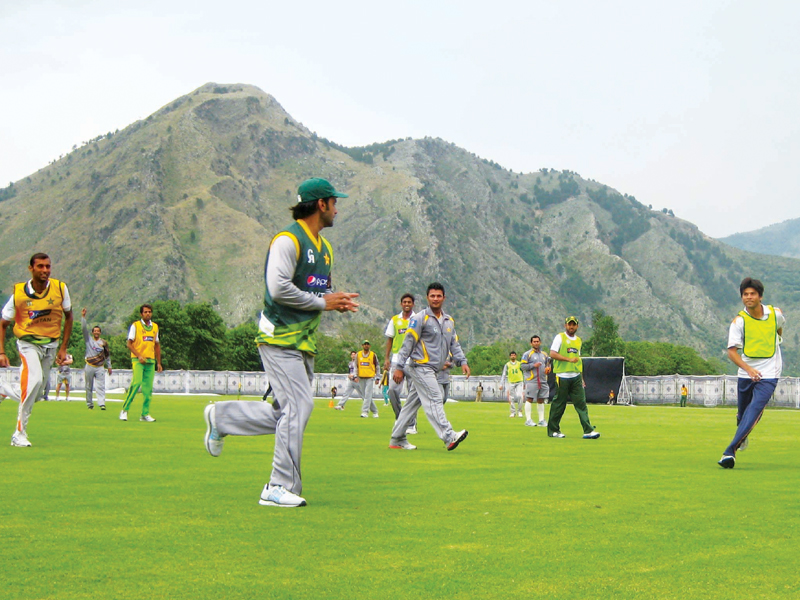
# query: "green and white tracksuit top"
{"points": [[297, 273]]}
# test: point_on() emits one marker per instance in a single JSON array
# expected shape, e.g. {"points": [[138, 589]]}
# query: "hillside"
{"points": [[183, 204], [780, 239]]}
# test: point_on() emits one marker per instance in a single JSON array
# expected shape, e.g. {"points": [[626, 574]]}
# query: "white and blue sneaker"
{"points": [[558, 434], [20, 440], [727, 462], [277, 495], [147, 419], [592, 435], [213, 439], [530, 423]]}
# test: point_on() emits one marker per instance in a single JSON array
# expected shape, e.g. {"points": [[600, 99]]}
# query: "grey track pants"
{"points": [[365, 387], [290, 372], [423, 390], [95, 381]]}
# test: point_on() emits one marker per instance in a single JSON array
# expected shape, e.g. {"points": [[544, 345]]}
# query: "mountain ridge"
{"points": [[182, 205]]}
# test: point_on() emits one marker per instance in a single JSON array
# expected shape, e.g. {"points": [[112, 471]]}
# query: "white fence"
{"points": [[665, 389], [707, 390]]}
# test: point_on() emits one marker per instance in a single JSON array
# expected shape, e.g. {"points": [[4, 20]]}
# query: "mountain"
{"points": [[781, 239], [183, 204]]}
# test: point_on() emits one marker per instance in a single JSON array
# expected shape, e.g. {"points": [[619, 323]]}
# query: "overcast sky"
{"points": [[692, 106]]}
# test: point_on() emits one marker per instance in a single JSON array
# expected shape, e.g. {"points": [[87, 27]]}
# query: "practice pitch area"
{"points": [[100, 508]]}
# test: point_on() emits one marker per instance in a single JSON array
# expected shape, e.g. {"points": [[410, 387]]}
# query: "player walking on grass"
{"points": [[536, 366], [512, 380], [568, 367], [145, 350], [352, 380], [37, 309], [298, 289], [369, 371], [98, 359], [757, 331], [395, 336], [63, 376], [430, 340]]}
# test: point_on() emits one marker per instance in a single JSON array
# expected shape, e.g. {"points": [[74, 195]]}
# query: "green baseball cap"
{"points": [[365, 342], [317, 188], [571, 320]]}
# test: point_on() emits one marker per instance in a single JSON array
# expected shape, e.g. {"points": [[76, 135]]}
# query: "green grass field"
{"points": [[99, 508]]}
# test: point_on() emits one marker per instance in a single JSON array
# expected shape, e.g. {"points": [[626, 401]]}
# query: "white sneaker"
{"points": [[277, 495], [411, 431], [592, 435], [374, 415], [404, 445], [745, 443], [558, 434], [542, 423], [519, 414], [511, 416], [530, 423], [364, 415], [147, 419], [337, 407], [20, 440], [123, 415], [213, 440], [458, 437]]}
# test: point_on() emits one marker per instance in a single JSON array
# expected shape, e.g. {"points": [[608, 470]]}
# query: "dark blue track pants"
{"points": [[753, 398]]}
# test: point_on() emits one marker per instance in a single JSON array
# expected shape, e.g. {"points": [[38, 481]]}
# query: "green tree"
{"points": [[661, 358], [208, 342], [605, 339], [241, 348], [489, 360], [333, 353]]}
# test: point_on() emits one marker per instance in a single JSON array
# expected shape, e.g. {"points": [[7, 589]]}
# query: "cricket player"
{"points": [[298, 289], [145, 349], [431, 338], [63, 376], [98, 360], [757, 332], [369, 371], [37, 308], [568, 367], [395, 335], [536, 366], [512, 374], [352, 380]]}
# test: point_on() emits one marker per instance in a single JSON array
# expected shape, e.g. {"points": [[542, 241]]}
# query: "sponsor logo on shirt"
{"points": [[572, 350], [36, 314], [316, 282], [149, 338]]}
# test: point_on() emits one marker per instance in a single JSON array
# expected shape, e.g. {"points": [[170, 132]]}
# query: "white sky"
{"points": [[690, 105]]}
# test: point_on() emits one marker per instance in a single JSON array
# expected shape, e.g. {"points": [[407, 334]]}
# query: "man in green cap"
{"points": [[568, 367], [298, 289]]}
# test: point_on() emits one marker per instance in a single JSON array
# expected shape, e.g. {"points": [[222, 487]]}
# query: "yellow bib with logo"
{"points": [[760, 337], [38, 318], [145, 340]]}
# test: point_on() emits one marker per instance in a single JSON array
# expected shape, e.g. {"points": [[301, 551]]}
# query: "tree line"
{"points": [[194, 337]]}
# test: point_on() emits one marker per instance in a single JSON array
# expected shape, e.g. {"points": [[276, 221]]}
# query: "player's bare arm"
{"points": [[736, 359], [61, 356], [159, 368], [556, 356], [3, 358]]}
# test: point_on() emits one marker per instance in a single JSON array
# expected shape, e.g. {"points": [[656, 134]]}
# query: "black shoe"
{"points": [[103, 407], [91, 407]]}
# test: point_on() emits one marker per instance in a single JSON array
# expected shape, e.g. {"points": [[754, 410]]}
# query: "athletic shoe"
{"points": [[20, 440], [591, 436], [404, 445], [277, 495], [558, 434], [123, 415], [337, 407], [460, 437], [91, 407], [147, 419], [411, 430], [511, 416], [542, 423], [374, 415], [519, 414], [727, 462], [102, 407], [213, 440], [364, 415], [745, 443]]}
